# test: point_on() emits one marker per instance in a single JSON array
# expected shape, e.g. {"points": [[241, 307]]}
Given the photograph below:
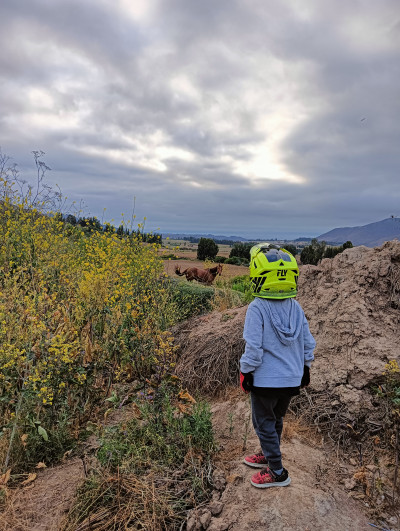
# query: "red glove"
{"points": [[246, 382]]}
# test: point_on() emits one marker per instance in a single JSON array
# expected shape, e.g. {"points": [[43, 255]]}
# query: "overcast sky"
{"points": [[260, 118]]}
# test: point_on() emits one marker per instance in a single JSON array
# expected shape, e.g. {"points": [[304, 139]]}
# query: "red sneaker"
{"points": [[267, 478], [256, 461]]}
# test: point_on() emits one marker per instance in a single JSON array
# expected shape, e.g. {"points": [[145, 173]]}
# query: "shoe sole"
{"points": [[274, 484], [254, 465]]}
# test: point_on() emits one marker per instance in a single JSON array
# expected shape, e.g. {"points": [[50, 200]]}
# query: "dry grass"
{"points": [[138, 503], [208, 358], [295, 427]]}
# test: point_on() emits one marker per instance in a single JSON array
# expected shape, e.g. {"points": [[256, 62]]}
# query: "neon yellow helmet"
{"points": [[273, 272]]}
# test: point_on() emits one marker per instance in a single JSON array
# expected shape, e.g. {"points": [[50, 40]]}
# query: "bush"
{"points": [[190, 299], [313, 253], [159, 436], [241, 250], [291, 248], [235, 260], [220, 259], [242, 285], [80, 309], [157, 466], [207, 248]]}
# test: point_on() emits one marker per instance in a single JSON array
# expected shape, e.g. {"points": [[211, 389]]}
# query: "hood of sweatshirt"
{"points": [[286, 318]]}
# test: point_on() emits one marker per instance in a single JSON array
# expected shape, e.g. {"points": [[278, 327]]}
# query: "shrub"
{"points": [[242, 285], [313, 253], [207, 248], [157, 466], [241, 250], [235, 260], [79, 310], [220, 259], [190, 299], [291, 248]]}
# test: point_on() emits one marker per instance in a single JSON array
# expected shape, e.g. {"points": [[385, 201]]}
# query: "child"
{"points": [[277, 358]]}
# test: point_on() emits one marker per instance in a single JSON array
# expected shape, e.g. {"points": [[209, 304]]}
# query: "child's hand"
{"points": [[305, 381], [246, 381]]}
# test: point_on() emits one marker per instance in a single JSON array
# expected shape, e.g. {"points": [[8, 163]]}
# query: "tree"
{"points": [[207, 248], [91, 224], [291, 248], [318, 250], [313, 253], [71, 219], [242, 250]]}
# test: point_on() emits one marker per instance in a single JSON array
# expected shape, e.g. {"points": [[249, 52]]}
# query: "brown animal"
{"points": [[206, 276]]}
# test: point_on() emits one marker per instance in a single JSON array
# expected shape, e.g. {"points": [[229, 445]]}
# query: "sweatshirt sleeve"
{"points": [[309, 344], [252, 334]]}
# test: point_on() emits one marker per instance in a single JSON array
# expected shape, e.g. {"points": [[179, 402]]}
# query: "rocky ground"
{"points": [[323, 494], [315, 500]]}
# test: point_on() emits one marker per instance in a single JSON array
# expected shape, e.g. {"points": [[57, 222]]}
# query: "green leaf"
{"points": [[43, 433]]}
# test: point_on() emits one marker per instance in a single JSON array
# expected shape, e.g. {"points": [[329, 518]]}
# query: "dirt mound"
{"points": [[353, 305]]}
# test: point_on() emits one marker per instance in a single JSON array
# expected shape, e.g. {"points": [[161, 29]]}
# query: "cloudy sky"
{"points": [[260, 118]]}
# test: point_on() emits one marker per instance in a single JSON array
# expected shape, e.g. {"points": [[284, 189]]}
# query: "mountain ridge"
{"points": [[370, 235]]}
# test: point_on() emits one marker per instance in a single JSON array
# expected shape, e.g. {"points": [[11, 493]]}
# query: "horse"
{"points": [[206, 276]]}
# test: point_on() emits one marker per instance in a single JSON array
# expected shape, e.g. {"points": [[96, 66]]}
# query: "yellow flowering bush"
{"points": [[78, 311]]}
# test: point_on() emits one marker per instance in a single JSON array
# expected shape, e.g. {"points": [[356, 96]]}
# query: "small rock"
{"points": [[191, 523], [371, 468], [353, 461], [219, 480], [216, 495], [216, 508], [335, 403], [205, 519], [393, 520], [349, 484], [218, 526], [235, 478]]}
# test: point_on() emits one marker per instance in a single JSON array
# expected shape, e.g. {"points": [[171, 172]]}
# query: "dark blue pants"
{"points": [[267, 416]]}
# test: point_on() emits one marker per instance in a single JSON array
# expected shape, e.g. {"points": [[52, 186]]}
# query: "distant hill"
{"points": [[181, 236], [371, 235]]}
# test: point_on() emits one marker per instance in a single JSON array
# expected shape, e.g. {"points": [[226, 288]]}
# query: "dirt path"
{"points": [[314, 501], [41, 505]]}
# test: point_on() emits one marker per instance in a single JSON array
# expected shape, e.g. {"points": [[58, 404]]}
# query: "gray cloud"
{"points": [[256, 118]]}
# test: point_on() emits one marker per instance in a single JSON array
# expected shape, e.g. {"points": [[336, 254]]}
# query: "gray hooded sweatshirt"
{"points": [[278, 343]]}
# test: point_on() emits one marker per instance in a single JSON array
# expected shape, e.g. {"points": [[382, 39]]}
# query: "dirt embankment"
{"points": [[352, 303]]}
